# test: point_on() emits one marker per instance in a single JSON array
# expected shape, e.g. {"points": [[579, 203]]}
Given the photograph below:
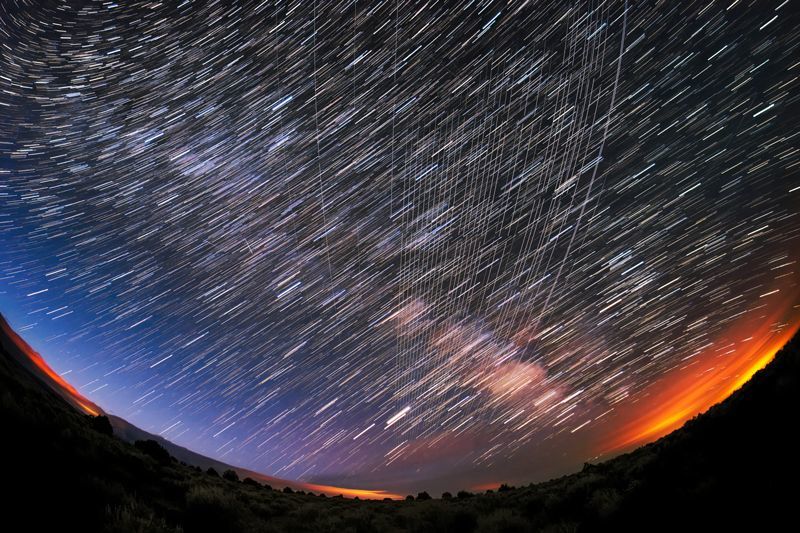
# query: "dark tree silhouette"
{"points": [[154, 450], [101, 424]]}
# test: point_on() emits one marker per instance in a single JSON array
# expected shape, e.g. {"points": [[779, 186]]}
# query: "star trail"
{"points": [[393, 244]]}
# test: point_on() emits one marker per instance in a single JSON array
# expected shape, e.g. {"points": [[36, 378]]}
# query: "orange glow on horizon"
{"points": [[86, 405], [486, 486], [328, 490], [693, 389], [364, 494], [89, 407]]}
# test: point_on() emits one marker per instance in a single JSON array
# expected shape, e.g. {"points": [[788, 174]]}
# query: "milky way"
{"points": [[384, 243]]}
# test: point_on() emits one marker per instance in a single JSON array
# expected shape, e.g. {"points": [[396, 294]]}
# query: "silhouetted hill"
{"points": [[19, 350], [734, 467], [131, 433]]}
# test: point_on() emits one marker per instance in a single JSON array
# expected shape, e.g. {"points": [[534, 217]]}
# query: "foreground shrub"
{"points": [[154, 450], [210, 509]]}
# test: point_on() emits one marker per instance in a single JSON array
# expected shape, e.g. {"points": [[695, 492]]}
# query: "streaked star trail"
{"points": [[394, 244]]}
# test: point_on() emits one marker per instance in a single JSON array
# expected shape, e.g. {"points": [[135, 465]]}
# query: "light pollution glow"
{"points": [[706, 379], [65, 388], [71, 394]]}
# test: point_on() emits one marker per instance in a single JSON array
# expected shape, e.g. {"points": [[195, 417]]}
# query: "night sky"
{"points": [[401, 245]]}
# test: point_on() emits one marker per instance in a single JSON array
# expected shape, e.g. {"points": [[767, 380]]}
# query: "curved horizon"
{"points": [[638, 429], [400, 247]]}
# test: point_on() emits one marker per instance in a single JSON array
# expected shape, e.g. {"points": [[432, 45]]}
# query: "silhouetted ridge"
{"points": [[728, 468]]}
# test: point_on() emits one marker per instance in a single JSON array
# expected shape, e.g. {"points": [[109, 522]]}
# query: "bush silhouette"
{"points": [[230, 475], [154, 450], [212, 472], [447, 496], [464, 521], [210, 509], [101, 424], [423, 496]]}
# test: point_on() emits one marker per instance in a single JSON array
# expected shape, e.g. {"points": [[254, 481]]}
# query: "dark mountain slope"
{"points": [[131, 433], [37, 369], [735, 467]]}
